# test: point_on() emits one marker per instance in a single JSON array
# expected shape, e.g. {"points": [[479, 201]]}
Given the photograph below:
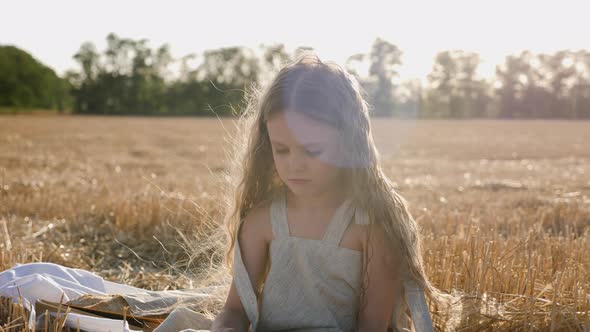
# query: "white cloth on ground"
{"points": [[50, 282]]}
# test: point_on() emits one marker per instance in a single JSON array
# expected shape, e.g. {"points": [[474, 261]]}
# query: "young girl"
{"points": [[320, 239]]}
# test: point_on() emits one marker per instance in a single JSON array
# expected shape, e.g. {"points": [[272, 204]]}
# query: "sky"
{"points": [[52, 31]]}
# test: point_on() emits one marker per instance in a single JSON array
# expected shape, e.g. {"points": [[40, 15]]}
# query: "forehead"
{"points": [[289, 127]]}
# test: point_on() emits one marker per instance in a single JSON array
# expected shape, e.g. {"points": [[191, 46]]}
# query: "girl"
{"points": [[320, 239]]}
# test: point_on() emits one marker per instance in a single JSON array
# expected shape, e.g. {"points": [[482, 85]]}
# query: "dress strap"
{"points": [[244, 285], [278, 215], [339, 223], [361, 217], [336, 226], [418, 307]]}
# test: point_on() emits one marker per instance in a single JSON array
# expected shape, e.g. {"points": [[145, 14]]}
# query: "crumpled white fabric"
{"points": [[56, 283]]}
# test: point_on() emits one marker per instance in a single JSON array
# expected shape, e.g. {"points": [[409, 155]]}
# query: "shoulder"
{"points": [[357, 234], [257, 223], [368, 232], [374, 235], [379, 245]]}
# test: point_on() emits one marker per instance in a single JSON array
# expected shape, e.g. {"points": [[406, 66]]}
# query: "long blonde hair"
{"points": [[326, 92]]}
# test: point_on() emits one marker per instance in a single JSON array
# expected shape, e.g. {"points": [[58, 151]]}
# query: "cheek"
{"points": [[323, 170], [279, 164], [333, 156]]}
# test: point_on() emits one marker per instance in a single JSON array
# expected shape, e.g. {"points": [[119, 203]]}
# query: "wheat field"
{"points": [[504, 206]]}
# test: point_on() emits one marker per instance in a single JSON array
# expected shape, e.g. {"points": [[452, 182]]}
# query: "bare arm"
{"points": [[384, 283], [254, 236], [232, 317]]}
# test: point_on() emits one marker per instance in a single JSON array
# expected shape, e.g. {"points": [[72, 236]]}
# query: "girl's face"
{"points": [[305, 152]]}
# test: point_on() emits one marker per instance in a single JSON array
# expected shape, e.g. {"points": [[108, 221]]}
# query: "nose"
{"points": [[297, 163]]}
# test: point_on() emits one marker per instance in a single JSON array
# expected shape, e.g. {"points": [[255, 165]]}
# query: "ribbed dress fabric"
{"points": [[312, 285]]}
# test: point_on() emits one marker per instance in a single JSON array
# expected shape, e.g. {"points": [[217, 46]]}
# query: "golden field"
{"points": [[504, 206]]}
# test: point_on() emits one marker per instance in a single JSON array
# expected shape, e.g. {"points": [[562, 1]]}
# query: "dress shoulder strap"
{"points": [[361, 217], [416, 301], [343, 217], [339, 223], [243, 285]]}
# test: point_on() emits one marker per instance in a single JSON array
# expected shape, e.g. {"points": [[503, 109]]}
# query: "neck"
{"points": [[327, 199]]}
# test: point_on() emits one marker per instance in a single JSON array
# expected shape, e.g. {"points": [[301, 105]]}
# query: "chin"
{"points": [[296, 191], [304, 192], [299, 190]]}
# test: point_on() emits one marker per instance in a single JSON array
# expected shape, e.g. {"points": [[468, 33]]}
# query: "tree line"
{"points": [[131, 78], [27, 83]]}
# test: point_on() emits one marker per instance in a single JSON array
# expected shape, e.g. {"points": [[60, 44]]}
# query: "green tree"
{"points": [[454, 89], [378, 82], [228, 72], [27, 83], [522, 88], [385, 58], [579, 94], [274, 56]]}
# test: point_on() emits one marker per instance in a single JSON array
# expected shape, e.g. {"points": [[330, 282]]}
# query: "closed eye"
{"points": [[313, 153]]}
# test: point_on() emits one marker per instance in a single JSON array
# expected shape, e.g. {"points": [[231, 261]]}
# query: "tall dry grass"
{"points": [[504, 206]]}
